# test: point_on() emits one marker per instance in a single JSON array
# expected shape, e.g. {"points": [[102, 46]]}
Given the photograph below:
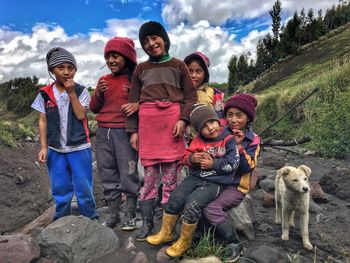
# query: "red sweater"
{"points": [[108, 107]]}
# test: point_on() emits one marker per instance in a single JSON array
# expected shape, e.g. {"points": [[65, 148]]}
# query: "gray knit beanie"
{"points": [[200, 115], [57, 56]]}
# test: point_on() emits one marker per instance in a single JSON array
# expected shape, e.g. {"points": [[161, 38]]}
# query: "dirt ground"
{"points": [[25, 194]]}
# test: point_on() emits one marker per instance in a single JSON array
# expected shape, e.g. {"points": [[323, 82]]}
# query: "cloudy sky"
{"points": [[220, 29]]}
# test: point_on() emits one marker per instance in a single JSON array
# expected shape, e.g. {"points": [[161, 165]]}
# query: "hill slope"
{"points": [[325, 115], [312, 60]]}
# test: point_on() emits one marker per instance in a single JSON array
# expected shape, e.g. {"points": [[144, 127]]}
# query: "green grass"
{"points": [[313, 60], [325, 115], [13, 129], [206, 246]]}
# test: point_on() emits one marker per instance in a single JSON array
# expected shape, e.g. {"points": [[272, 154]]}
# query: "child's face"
{"points": [[63, 72], [115, 62], [237, 119], [197, 73], [154, 46], [211, 129]]}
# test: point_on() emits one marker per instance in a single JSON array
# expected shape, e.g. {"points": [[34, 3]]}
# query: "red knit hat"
{"points": [[203, 61], [245, 102], [122, 45]]}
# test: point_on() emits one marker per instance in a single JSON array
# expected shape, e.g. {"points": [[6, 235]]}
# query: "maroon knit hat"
{"points": [[203, 60], [245, 102], [122, 45]]}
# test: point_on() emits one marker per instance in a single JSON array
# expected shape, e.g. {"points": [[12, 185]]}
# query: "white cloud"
{"points": [[146, 9], [23, 54], [216, 43], [218, 12]]}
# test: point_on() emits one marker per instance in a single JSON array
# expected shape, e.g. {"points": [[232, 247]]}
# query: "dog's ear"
{"points": [[283, 171], [306, 169]]}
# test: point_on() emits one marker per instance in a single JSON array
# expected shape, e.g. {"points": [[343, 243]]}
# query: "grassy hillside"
{"points": [[325, 116], [13, 128]]}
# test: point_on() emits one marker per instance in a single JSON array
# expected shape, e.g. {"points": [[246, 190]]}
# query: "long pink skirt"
{"points": [[156, 141]]}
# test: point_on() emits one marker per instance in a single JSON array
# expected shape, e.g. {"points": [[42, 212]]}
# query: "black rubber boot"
{"points": [[146, 209], [114, 218], [233, 246], [129, 219]]}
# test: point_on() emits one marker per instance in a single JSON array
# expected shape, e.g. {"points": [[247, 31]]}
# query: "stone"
{"points": [[267, 185], [269, 199], [129, 244], [73, 239], [162, 257], [257, 194], [317, 193], [18, 248], [314, 208], [140, 257], [266, 254], [243, 217]]}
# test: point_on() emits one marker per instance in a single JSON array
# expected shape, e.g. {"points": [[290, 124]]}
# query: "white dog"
{"points": [[292, 193]]}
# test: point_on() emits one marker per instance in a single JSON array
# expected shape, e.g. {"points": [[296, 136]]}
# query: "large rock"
{"points": [[73, 239], [243, 217], [18, 248], [268, 185], [266, 254], [317, 193], [269, 199]]}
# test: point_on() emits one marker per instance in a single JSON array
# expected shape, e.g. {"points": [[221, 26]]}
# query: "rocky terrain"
{"points": [[25, 194]]}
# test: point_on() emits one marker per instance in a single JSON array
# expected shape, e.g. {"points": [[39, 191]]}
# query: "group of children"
{"points": [[142, 113]]}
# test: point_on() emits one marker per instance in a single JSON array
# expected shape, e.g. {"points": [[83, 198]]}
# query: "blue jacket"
{"points": [[223, 150], [77, 131]]}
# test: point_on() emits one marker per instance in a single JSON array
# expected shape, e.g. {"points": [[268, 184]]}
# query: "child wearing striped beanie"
{"points": [[64, 135]]}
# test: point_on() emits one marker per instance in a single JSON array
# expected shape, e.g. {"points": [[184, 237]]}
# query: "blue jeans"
{"points": [[69, 173]]}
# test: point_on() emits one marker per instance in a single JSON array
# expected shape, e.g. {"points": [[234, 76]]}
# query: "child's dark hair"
{"points": [[202, 60], [129, 67]]}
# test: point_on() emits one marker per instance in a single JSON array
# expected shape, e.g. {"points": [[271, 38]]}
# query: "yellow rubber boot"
{"points": [[183, 243], [166, 232]]}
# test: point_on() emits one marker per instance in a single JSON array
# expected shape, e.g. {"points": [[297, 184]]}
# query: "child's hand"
{"points": [[179, 129], [207, 156], [130, 108], [42, 155], [102, 85], [134, 141], [238, 135], [207, 164], [196, 157], [69, 85]]}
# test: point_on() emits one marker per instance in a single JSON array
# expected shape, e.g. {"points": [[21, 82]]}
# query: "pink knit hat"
{"points": [[245, 102], [203, 61], [122, 45]]}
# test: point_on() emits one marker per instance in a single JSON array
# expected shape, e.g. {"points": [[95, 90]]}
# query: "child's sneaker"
{"points": [[129, 223]]}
